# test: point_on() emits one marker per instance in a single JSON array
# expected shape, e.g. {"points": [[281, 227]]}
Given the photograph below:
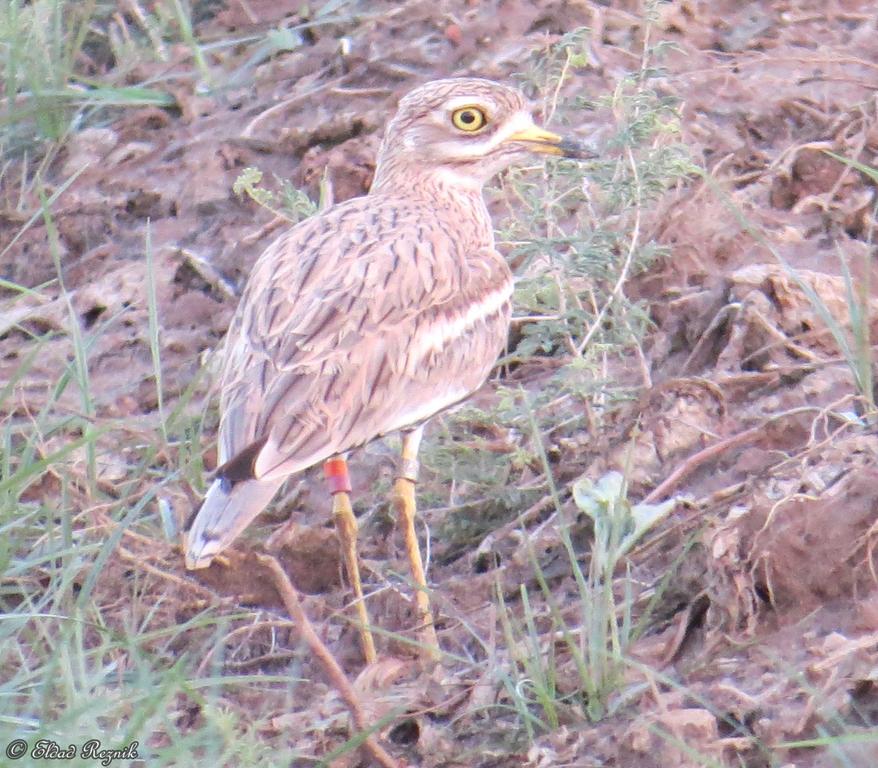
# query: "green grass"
{"points": [[596, 634], [51, 75], [855, 341], [65, 64], [79, 663], [852, 335]]}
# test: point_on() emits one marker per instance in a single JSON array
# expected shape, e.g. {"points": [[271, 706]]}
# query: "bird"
{"points": [[371, 317]]}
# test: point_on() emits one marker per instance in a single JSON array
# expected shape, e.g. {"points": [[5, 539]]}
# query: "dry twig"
{"points": [[324, 658], [712, 452]]}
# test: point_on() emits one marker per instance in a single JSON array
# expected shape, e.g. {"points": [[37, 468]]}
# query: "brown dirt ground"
{"points": [[770, 627]]}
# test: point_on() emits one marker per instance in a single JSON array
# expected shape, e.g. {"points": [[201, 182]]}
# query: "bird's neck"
{"points": [[413, 179], [443, 188]]}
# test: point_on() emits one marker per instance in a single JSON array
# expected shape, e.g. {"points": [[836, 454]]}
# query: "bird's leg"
{"points": [[404, 498], [336, 473]]}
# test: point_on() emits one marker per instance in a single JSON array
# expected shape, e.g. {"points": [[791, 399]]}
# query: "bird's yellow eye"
{"points": [[469, 119]]}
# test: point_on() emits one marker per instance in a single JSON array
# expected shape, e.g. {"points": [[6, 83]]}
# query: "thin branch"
{"points": [[325, 659], [626, 267], [713, 451]]}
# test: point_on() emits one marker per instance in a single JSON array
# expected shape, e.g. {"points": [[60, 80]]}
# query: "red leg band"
{"points": [[335, 470]]}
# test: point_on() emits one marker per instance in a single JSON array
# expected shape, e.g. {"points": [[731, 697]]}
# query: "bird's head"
{"points": [[465, 130]]}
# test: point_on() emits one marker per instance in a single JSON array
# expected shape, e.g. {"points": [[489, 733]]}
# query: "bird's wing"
{"points": [[356, 323]]}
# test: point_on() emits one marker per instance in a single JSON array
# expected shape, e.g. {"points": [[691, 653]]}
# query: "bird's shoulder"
{"points": [[367, 227], [360, 266]]}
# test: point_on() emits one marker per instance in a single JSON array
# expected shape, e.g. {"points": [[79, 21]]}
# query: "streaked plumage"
{"points": [[375, 314]]}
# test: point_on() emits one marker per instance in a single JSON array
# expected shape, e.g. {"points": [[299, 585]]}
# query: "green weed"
{"points": [[574, 235], [289, 203], [574, 247], [597, 637]]}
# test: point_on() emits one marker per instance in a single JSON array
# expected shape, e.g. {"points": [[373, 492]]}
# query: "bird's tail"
{"points": [[227, 509]]}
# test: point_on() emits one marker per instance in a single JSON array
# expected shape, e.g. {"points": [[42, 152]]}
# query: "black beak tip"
{"points": [[576, 150]]}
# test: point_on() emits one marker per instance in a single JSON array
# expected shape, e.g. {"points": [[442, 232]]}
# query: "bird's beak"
{"points": [[548, 143]]}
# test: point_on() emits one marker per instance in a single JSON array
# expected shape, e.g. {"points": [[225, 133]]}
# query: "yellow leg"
{"points": [[404, 498], [346, 524]]}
